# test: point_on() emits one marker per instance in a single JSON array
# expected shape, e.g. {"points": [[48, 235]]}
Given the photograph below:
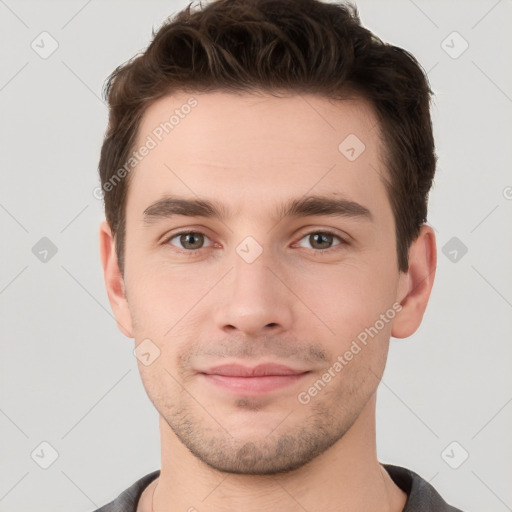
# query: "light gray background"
{"points": [[69, 378]]}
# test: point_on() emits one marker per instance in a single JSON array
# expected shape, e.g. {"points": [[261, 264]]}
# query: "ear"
{"points": [[114, 281], [415, 285]]}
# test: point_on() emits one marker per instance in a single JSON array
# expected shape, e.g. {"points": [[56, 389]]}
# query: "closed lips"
{"points": [[263, 370]]}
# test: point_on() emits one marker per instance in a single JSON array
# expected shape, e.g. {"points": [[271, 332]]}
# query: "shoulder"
{"points": [[127, 501], [422, 497]]}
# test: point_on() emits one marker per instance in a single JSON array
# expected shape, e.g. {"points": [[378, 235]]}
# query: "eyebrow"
{"points": [[171, 206]]}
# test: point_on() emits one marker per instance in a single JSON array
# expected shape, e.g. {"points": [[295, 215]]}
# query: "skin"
{"points": [[294, 305]]}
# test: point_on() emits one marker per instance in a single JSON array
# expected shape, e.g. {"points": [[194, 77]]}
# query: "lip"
{"points": [[260, 379]]}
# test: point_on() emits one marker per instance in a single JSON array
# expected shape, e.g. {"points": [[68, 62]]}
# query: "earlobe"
{"points": [[114, 281], [416, 284]]}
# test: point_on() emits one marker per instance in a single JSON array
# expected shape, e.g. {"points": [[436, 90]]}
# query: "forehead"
{"points": [[250, 147], [213, 122]]}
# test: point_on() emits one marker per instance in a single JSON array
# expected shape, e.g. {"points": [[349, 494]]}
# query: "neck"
{"points": [[346, 477]]}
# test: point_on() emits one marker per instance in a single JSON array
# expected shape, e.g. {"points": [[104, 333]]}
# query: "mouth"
{"points": [[256, 380]]}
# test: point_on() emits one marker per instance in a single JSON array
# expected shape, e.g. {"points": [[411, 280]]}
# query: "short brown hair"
{"points": [[303, 46]]}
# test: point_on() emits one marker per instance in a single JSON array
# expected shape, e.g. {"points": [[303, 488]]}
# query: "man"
{"points": [[265, 172]]}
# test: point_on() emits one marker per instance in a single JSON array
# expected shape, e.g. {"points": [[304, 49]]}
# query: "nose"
{"points": [[254, 300]]}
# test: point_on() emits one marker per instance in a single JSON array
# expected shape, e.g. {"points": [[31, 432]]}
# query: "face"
{"points": [[260, 253]]}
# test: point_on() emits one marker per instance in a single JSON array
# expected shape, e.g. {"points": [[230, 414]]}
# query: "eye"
{"points": [[321, 240], [190, 240]]}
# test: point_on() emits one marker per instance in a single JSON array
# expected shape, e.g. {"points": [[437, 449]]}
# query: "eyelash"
{"points": [[193, 252]]}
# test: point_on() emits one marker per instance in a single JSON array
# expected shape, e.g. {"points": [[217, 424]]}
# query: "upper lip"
{"points": [[261, 370]]}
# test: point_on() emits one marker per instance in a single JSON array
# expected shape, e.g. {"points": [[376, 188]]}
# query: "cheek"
{"points": [[350, 298], [161, 384], [161, 298]]}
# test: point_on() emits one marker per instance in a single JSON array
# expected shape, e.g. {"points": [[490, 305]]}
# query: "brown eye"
{"points": [[188, 241], [321, 240]]}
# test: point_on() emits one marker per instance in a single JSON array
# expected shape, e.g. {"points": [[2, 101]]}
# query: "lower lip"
{"points": [[254, 385]]}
